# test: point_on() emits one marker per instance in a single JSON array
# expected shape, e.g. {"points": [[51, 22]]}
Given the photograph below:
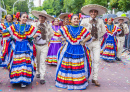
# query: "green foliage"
{"points": [[99, 2], [120, 5], [21, 6], [55, 7]]}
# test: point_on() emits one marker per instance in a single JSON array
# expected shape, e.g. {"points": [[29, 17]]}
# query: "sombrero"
{"points": [[123, 16], [29, 20], [43, 13], [101, 10], [62, 15]]}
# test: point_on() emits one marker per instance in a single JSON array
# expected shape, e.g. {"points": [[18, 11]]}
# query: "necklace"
{"points": [[110, 27], [55, 28], [72, 30], [8, 24], [23, 33]]}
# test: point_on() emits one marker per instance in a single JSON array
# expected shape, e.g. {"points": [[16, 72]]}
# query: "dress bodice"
{"points": [[73, 34], [112, 30], [5, 25], [56, 28], [21, 32]]}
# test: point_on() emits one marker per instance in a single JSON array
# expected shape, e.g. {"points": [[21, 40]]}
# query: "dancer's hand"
{"points": [[82, 43]]}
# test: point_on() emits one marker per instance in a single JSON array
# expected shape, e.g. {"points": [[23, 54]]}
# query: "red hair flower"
{"points": [[17, 15], [80, 15], [112, 19], [105, 19], [69, 16]]}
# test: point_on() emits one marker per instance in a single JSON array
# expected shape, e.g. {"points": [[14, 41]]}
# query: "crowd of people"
{"points": [[75, 46]]}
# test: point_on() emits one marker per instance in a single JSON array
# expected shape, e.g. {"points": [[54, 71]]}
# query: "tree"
{"points": [[99, 2], [18, 6], [120, 5]]}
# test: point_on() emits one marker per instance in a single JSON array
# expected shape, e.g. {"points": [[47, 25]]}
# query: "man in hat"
{"points": [[97, 29], [42, 43], [121, 37]]}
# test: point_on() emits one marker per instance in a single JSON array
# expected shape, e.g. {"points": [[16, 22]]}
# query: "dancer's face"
{"points": [[9, 18], [120, 21], [66, 19], [93, 13], [56, 22], [110, 21], [75, 20], [42, 19], [24, 18]]}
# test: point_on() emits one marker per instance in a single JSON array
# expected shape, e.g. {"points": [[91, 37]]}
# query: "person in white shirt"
{"points": [[97, 29], [42, 42], [121, 37]]}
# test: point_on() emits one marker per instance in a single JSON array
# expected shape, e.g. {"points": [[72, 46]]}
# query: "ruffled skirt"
{"points": [[109, 48], [54, 46], [74, 67]]}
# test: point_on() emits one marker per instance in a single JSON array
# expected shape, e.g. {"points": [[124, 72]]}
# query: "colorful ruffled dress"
{"points": [[5, 43], [54, 46], [74, 62], [109, 43], [22, 60]]}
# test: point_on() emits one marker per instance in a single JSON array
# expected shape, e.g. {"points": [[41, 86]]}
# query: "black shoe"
{"points": [[118, 59], [38, 75], [106, 60], [42, 81]]}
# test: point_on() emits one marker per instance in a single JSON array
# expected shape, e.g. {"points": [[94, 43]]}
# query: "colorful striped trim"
{"points": [[72, 64], [79, 67], [71, 80], [3, 25], [51, 60], [19, 36], [16, 33], [5, 49], [74, 40], [114, 29], [89, 63], [56, 34]]}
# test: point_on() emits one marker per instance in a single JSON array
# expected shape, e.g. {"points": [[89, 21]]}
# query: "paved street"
{"points": [[113, 77]]}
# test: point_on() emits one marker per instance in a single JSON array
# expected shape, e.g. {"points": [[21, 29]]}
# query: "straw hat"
{"points": [[43, 13], [123, 16], [62, 15], [101, 10]]}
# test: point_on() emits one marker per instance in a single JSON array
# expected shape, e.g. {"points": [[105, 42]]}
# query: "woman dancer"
{"points": [[74, 63], [54, 45], [5, 43], [109, 42], [22, 60]]}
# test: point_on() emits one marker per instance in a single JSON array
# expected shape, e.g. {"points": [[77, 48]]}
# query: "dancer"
{"points": [[109, 42], [5, 43], [42, 42], [54, 45], [22, 61], [121, 37], [65, 19], [74, 63], [97, 29]]}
